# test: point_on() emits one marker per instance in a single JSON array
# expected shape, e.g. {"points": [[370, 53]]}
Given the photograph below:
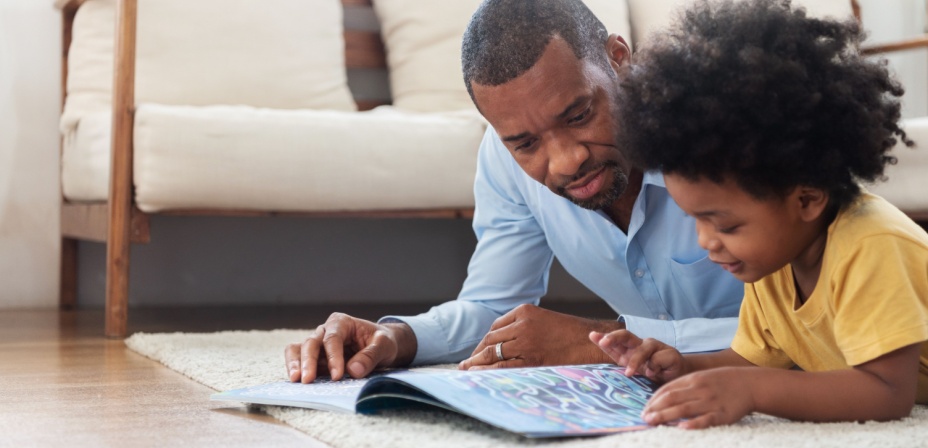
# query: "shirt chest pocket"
{"points": [[709, 290]]}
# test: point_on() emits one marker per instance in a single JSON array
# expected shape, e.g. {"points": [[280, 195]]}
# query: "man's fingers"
{"points": [[505, 327], [309, 355], [502, 334], [363, 362], [507, 364], [333, 342], [507, 319], [292, 362], [370, 357], [485, 357]]}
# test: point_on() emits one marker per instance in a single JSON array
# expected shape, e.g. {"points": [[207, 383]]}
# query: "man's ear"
{"points": [[618, 50], [812, 202]]}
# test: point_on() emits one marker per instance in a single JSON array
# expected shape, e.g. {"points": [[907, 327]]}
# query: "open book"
{"points": [[535, 402]]}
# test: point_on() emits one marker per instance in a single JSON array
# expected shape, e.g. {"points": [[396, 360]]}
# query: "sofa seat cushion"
{"points": [[239, 157], [906, 184]]}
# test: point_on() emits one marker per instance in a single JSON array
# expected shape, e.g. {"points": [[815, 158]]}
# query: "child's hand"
{"points": [[650, 357], [706, 398]]}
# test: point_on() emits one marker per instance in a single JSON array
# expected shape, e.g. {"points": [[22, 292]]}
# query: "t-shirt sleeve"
{"points": [[881, 298], [753, 339]]}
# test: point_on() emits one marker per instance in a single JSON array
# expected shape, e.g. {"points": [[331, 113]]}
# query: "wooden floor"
{"points": [[63, 384]]}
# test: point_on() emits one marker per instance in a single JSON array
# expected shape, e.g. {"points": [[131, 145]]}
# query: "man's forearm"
{"points": [[605, 326]]}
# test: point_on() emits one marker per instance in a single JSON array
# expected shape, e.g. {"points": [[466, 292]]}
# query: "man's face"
{"points": [[556, 119]]}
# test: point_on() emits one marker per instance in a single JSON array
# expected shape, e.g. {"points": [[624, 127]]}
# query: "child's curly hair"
{"points": [[760, 92]]}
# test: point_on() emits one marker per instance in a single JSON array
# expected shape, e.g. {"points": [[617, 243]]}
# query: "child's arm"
{"points": [[882, 389], [658, 361]]}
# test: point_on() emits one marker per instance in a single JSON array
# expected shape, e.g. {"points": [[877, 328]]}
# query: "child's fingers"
{"points": [[641, 356], [623, 338], [665, 365], [670, 405], [616, 352], [701, 422], [618, 344]]}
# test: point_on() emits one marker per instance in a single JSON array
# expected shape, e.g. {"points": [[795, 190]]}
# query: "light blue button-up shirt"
{"points": [[657, 277]]}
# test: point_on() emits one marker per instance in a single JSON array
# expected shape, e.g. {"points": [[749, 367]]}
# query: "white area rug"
{"points": [[231, 360]]}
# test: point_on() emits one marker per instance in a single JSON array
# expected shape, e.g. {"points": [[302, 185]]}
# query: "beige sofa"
{"points": [[262, 107]]}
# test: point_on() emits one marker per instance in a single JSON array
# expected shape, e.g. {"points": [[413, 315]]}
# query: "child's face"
{"points": [[748, 237]]}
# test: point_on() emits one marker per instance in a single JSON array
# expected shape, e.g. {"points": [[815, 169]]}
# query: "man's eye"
{"points": [[524, 145], [579, 118]]}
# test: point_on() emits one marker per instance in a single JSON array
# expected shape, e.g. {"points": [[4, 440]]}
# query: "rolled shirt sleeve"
{"points": [[692, 335]]}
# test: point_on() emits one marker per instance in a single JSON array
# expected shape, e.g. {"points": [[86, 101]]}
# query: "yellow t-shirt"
{"points": [[871, 298]]}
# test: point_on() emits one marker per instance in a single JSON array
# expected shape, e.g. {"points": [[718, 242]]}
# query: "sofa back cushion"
{"points": [[423, 42], [285, 54], [648, 16]]}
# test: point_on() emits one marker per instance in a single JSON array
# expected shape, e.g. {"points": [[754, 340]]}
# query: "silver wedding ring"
{"points": [[499, 351]]}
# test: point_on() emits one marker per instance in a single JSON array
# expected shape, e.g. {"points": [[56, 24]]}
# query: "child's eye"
{"points": [[728, 230]]}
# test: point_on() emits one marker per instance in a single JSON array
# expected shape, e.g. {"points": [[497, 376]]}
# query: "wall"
{"points": [[29, 191], [895, 20], [242, 260]]}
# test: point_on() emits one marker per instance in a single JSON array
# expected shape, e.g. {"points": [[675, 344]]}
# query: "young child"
{"points": [[764, 121]]}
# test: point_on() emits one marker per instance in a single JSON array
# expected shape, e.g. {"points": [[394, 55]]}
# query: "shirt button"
{"points": [[639, 273], [662, 317]]}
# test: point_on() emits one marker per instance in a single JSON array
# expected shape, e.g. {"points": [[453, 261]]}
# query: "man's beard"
{"points": [[607, 197]]}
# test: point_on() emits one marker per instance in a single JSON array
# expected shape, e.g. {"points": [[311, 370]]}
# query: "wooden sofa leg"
{"points": [[118, 239], [117, 284], [67, 294]]}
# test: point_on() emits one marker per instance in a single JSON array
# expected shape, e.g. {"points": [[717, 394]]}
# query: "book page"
{"points": [[537, 401], [323, 394]]}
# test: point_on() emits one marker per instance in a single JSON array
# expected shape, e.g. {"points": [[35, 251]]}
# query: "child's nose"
{"points": [[706, 239]]}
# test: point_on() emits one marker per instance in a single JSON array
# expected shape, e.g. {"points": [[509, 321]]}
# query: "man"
{"points": [[550, 182]]}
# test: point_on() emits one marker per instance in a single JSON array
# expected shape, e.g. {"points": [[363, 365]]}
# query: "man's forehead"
{"points": [[551, 88]]}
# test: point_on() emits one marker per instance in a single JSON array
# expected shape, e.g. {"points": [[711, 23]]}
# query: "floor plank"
{"points": [[63, 384]]}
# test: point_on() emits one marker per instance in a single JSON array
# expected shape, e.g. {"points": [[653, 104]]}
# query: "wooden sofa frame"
{"points": [[119, 223]]}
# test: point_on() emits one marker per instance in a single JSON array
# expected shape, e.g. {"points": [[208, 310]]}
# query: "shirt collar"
{"points": [[655, 178]]}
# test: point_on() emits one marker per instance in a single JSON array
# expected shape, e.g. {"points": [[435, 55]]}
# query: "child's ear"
{"points": [[812, 203]]}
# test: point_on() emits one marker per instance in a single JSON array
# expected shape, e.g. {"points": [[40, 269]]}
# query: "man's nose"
{"points": [[566, 156]]}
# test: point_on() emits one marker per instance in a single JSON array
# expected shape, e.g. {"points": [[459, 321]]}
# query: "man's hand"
{"points": [[707, 398], [649, 357], [533, 336], [365, 344]]}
